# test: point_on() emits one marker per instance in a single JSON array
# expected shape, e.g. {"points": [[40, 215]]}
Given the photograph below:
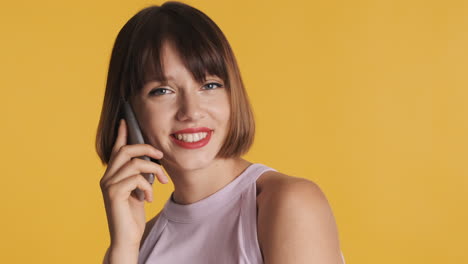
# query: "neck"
{"points": [[191, 186]]}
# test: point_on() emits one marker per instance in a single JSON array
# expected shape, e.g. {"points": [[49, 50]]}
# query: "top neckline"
{"points": [[193, 212]]}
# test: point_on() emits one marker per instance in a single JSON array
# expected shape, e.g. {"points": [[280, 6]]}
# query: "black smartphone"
{"points": [[134, 136]]}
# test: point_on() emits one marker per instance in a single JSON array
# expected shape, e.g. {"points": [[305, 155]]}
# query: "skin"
{"points": [[184, 103], [197, 173]]}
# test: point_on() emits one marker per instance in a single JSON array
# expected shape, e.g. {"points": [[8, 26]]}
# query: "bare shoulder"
{"points": [[149, 225], [295, 221], [276, 184], [282, 188], [272, 179]]}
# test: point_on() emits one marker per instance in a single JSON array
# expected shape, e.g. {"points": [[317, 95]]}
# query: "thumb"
{"points": [[121, 139]]}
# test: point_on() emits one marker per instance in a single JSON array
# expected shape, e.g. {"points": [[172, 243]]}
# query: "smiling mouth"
{"points": [[190, 137], [192, 140]]}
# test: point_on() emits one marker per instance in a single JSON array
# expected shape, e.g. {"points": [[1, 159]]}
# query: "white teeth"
{"points": [[191, 137]]}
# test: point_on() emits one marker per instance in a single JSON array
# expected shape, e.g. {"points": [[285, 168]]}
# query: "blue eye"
{"points": [[159, 91], [213, 83]]}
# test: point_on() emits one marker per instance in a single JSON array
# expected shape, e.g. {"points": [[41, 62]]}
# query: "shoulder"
{"points": [[279, 186], [276, 189], [149, 225], [295, 221]]}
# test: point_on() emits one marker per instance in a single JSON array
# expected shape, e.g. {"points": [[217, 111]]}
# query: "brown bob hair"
{"points": [[203, 49]]}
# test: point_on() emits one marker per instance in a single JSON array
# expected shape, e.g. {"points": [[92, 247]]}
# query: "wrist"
{"points": [[123, 255], [124, 246]]}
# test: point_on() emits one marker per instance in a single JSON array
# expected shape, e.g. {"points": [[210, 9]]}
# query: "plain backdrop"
{"points": [[366, 98]]}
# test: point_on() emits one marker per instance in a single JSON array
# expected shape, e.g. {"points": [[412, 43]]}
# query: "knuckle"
{"points": [[142, 180], [150, 148], [159, 168], [135, 162], [123, 149], [112, 190], [105, 185], [139, 177], [102, 183]]}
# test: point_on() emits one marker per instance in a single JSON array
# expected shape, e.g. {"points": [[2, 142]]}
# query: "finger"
{"points": [[121, 139], [127, 152], [121, 191], [138, 166]]}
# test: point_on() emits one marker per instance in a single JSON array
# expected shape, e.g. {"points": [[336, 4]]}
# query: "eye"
{"points": [[211, 85], [160, 91]]}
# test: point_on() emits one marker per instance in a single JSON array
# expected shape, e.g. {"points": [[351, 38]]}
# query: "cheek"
{"points": [[222, 112], [156, 121], [222, 108]]}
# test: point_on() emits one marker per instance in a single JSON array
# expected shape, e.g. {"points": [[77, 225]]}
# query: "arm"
{"points": [[296, 224], [106, 257], [124, 256], [120, 256], [148, 227]]}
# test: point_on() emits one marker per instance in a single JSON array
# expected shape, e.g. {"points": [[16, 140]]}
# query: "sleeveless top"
{"points": [[221, 228]]}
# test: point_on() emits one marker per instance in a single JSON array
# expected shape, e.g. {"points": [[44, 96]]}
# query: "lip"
{"points": [[192, 145], [193, 130]]}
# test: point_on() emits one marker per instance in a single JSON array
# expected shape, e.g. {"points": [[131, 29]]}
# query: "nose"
{"points": [[189, 107]]}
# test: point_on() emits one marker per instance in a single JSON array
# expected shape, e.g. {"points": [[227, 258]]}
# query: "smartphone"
{"points": [[136, 137]]}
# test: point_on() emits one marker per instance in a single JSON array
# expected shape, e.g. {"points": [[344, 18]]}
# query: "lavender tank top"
{"points": [[222, 228]]}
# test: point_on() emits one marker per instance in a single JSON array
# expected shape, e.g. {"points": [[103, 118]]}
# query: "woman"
{"points": [[177, 70]]}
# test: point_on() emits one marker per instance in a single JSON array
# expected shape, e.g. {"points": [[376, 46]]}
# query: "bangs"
{"points": [[195, 40], [204, 50]]}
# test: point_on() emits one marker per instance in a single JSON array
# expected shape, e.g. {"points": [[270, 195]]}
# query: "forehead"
{"points": [[194, 42], [171, 62], [174, 57], [172, 66]]}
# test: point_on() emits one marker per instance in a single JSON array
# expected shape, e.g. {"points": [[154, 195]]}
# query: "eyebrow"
{"points": [[153, 79]]}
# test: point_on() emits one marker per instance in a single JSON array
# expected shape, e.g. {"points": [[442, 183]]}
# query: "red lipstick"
{"points": [[192, 145]]}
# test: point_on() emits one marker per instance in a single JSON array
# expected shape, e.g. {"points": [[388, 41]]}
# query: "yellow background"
{"points": [[366, 98]]}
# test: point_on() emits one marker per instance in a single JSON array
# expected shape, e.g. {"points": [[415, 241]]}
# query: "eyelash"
{"points": [[153, 92], [218, 84]]}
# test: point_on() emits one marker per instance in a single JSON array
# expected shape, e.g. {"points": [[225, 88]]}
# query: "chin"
{"points": [[191, 163]]}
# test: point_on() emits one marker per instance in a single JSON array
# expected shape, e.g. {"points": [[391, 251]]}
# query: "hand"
{"points": [[125, 213]]}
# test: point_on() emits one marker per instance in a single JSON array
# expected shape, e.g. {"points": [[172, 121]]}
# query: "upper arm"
{"points": [[296, 225]]}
